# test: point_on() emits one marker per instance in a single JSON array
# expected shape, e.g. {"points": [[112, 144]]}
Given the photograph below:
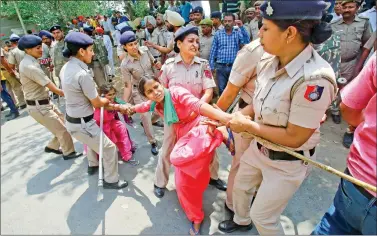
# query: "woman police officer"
{"points": [[294, 88], [81, 96], [138, 62]]}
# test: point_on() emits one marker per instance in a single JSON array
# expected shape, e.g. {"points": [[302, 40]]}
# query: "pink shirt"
{"points": [[361, 94]]}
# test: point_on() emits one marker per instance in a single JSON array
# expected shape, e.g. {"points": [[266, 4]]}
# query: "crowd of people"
{"points": [[273, 71]]}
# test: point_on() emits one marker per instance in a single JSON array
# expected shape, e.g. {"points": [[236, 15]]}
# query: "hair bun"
{"points": [[67, 53], [321, 33]]}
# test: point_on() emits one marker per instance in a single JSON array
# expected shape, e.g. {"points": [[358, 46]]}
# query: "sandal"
{"points": [[230, 139], [192, 229]]}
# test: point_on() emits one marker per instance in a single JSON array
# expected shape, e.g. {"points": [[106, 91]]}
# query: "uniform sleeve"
{"points": [[126, 75], [120, 50], [162, 77], [370, 43], [208, 81], [366, 82], [367, 32], [11, 58], [37, 75], [310, 102], [88, 86], [171, 45], [244, 67], [186, 99]]}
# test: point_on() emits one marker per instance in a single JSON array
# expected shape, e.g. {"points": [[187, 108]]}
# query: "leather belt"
{"points": [[40, 102], [225, 64], [242, 104], [348, 60], [74, 120], [361, 189], [275, 155]]}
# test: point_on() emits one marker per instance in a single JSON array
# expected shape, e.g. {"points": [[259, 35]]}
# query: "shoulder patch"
{"points": [[313, 93]]}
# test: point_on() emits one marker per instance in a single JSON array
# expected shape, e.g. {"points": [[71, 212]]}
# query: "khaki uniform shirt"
{"points": [[252, 29], [274, 103], [154, 39], [165, 38], [78, 87], [205, 46], [57, 56], [370, 43], [15, 57], [33, 79], [352, 36], [132, 68], [196, 78], [244, 70]]}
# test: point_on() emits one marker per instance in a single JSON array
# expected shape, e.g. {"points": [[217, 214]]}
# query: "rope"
{"points": [[314, 163]]}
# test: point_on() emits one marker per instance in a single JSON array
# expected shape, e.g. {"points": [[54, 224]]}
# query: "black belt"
{"points": [[40, 102], [361, 189], [242, 104], [78, 120], [156, 57], [275, 155], [225, 64]]}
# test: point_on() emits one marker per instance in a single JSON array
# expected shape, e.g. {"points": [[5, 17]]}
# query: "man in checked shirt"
{"points": [[225, 46]]}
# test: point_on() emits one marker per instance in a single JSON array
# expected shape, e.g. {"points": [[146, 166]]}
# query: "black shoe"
{"points": [[13, 116], [336, 118], [159, 192], [72, 155], [22, 107], [141, 123], [92, 170], [218, 183], [229, 226], [347, 139], [50, 150], [158, 124], [2, 108], [154, 149], [117, 185]]}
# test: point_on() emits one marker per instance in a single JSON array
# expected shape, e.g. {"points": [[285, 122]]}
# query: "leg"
{"points": [[163, 165], [17, 89], [11, 93], [123, 141], [145, 118], [214, 167], [221, 76], [7, 98]]}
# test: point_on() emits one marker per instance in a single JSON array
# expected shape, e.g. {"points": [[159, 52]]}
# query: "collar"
{"points": [[31, 58], [178, 59], [79, 63], [296, 64], [357, 18], [132, 59]]}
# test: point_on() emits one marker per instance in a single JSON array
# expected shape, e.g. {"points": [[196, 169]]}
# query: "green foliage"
{"points": [[46, 13], [140, 9]]}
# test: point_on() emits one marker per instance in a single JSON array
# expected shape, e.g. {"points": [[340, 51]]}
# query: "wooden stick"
{"points": [[314, 163]]}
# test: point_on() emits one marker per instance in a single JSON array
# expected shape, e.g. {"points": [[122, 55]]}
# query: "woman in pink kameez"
{"points": [[196, 141], [114, 128]]}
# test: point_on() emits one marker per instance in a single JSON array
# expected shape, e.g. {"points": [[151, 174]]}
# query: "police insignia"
{"points": [[196, 74], [313, 93], [208, 74]]}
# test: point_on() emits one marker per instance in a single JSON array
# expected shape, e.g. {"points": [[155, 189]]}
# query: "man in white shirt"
{"points": [[371, 14], [337, 14]]}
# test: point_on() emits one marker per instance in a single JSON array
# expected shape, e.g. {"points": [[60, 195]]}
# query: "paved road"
{"points": [[43, 194]]}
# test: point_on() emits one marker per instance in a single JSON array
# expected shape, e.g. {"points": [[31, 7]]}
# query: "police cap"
{"points": [[127, 37], [206, 21], [358, 2], [216, 14], [79, 39], [125, 29], [88, 29], [29, 41], [14, 38], [55, 27], [46, 34], [198, 9], [186, 30]]}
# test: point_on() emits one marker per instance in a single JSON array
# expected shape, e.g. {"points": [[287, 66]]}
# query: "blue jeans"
{"points": [[7, 98], [222, 75], [350, 213]]}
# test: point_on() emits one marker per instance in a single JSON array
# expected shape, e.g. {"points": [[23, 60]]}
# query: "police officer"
{"points": [[81, 96], [192, 73], [241, 80], [58, 60], [252, 23], [216, 19], [14, 57], [152, 34], [294, 87], [100, 59], [354, 32], [36, 85], [138, 62], [206, 38], [45, 60]]}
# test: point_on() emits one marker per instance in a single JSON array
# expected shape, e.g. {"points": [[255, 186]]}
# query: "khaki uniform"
{"points": [[154, 39], [58, 60], [205, 46], [132, 69], [195, 79], [252, 29], [352, 38], [243, 75], [45, 61], [79, 88], [34, 83], [15, 57], [165, 37], [299, 94], [13, 83]]}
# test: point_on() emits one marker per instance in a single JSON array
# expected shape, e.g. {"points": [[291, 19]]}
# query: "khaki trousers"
{"points": [[278, 180], [99, 73], [163, 165], [14, 86], [89, 134], [347, 70], [145, 117], [241, 144], [50, 117]]}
